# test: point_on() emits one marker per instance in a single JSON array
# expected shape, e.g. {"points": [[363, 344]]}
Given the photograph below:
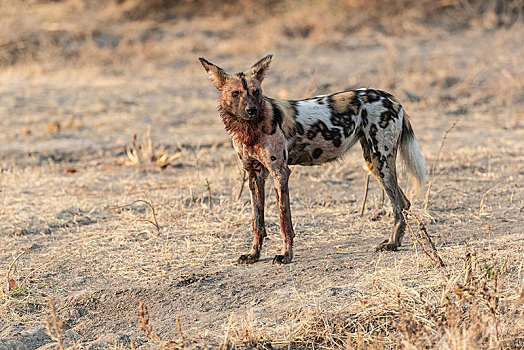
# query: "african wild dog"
{"points": [[269, 135]]}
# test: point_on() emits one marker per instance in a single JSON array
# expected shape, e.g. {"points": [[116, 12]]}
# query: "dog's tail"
{"points": [[412, 157]]}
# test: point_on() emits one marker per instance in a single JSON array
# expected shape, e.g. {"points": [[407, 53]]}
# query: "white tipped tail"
{"points": [[412, 158]]}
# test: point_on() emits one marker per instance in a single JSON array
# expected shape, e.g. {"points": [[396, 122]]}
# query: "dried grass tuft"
{"points": [[142, 152], [245, 332], [54, 326], [143, 322]]}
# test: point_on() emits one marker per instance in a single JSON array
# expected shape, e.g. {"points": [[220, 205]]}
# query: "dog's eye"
{"points": [[256, 92], [235, 93]]}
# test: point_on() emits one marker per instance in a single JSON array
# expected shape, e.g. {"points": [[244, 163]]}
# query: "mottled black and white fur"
{"points": [[269, 135]]}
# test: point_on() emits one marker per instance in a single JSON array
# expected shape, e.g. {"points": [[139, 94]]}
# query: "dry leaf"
{"points": [[12, 284]]}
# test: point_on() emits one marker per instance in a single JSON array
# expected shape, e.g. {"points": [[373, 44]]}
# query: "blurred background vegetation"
{"points": [[131, 32]]}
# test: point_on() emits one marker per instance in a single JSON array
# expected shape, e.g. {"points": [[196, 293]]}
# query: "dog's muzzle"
{"points": [[251, 110]]}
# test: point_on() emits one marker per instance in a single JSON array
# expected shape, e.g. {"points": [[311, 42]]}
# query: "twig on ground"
{"points": [[432, 172], [179, 328], [149, 203], [483, 198], [366, 186], [54, 325], [468, 267], [209, 199], [366, 189], [425, 236]]}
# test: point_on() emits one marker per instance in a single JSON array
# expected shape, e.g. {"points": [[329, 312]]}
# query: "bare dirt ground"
{"points": [[68, 194]]}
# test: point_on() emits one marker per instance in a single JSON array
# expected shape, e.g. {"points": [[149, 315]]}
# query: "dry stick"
{"points": [[363, 207], [436, 258], [432, 173], [467, 7], [468, 269], [208, 188], [151, 149], [26, 278], [481, 205], [56, 326], [179, 327], [153, 210], [364, 200], [423, 229], [150, 204], [492, 301], [13, 264]]}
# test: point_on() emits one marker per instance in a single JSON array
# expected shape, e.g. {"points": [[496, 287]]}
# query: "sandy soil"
{"points": [[95, 254]]}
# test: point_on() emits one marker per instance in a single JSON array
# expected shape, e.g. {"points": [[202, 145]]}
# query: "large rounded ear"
{"points": [[217, 75], [259, 69]]}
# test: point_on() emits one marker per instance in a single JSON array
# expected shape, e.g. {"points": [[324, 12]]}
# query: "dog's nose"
{"points": [[251, 110]]}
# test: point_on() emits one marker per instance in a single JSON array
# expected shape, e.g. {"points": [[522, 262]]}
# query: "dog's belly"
{"points": [[303, 151], [322, 136]]}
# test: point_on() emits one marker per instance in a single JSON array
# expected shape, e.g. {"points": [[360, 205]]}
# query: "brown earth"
{"points": [[77, 81]]}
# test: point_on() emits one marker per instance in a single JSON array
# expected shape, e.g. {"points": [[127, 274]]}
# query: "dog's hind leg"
{"points": [[399, 202], [383, 166], [257, 178]]}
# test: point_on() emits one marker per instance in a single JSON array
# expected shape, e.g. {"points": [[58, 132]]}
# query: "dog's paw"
{"points": [[247, 259], [386, 246], [282, 259]]}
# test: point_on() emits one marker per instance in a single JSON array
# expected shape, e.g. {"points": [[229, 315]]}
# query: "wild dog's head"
{"points": [[241, 93]]}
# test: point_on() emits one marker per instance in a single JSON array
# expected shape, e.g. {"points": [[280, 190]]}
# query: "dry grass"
{"points": [[142, 153], [79, 33], [470, 308], [103, 70], [143, 322], [54, 326]]}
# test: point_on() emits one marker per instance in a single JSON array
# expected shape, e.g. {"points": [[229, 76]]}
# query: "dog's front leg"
{"points": [[281, 178], [257, 176]]}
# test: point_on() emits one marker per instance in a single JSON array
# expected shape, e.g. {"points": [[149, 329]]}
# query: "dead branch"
{"points": [[434, 256], [366, 186], [149, 203]]}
